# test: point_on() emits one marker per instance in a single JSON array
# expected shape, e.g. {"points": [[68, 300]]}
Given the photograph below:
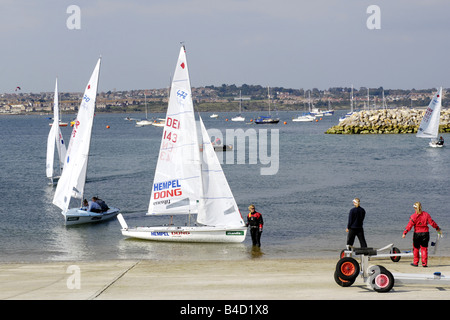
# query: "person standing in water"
{"points": [[420, 221], [255, 222], [355, 224]]}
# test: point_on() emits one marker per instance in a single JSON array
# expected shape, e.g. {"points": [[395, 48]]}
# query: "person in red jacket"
{"points": [[420, 221], [255, 221]]}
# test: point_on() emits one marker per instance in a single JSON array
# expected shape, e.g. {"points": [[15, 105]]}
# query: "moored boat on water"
{"points": [[72, 182]]}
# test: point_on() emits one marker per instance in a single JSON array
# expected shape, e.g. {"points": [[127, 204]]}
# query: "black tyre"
{"points": [[347, 268], [341, 282], [395, 258]]}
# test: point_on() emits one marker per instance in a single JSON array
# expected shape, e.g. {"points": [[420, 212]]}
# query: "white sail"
{"points": [[55, 136], [71, 183], [177, 183], [50, 151], [218, 206], [429, 126]]}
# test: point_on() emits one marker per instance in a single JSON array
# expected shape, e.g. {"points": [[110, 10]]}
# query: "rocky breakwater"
{"points": [[386, 121]]}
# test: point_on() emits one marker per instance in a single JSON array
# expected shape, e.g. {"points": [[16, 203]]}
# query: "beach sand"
{"points": [[244, 280]]}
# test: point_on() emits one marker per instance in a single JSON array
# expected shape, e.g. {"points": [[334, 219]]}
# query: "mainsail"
{"points": [[429, 126], [177, 183], [71, 183]]}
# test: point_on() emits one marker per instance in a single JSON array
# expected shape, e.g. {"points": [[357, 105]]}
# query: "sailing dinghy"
{"points": [[72, 181], [55, 138], [189, 178], [429, 126]]}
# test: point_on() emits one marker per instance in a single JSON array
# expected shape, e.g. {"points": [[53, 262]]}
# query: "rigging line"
{"points": [[98, 293]]}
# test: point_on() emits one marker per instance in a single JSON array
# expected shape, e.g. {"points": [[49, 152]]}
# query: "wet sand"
{"points": [[244, 280]]}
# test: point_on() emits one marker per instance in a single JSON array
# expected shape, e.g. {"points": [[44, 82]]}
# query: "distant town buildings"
{"points": [[222, 98]]}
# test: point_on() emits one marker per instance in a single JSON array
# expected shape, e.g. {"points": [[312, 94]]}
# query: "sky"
{"points": [[288, 43]]}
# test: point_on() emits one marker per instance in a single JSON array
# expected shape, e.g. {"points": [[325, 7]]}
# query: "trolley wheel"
{"points": [[347, 268], [341, 282], [381, 279], [342, 255], [395, 258]]}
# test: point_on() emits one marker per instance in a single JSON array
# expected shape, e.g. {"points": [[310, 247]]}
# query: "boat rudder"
{"points": [[122, 221]]}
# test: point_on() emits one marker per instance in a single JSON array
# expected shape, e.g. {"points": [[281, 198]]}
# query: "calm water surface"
{"points": [[305, 205]]}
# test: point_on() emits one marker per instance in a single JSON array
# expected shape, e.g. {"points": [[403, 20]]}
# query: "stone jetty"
{"points": [[403, 120]]}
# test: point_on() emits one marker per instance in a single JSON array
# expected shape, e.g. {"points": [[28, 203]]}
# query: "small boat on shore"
{"points": [[189, 180]]}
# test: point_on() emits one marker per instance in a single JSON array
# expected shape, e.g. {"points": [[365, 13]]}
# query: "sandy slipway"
{"points": [[391, 121], [246, 280]]}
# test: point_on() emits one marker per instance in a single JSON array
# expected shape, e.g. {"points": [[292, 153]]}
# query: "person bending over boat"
{"points": [[355, 224], [420, 221], [91, 206], [440, 141], [255, 221], [101, 203], [95, 205]]}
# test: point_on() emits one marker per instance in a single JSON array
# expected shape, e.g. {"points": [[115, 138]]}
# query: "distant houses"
{"points": [[222, 98]]}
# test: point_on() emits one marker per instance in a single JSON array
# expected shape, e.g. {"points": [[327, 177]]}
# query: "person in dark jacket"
{"points": [[255, 222], [355, 224]]}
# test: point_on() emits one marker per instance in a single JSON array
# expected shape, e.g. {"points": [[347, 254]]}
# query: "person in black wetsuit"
{"points": [[355, 224], [255, 222]]}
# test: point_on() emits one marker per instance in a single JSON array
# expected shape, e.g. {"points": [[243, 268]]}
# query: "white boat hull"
{"points": [[77, 216], [304, 119], [185, 234], [435, 145], [144, 123]]}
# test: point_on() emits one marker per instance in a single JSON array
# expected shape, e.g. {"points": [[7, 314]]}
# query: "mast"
{"points": [[351, 101]]}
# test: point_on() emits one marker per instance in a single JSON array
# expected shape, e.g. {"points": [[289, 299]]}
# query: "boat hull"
{"points": [[187, 234], [434, 144], [77, 216], [303, 119], [266, 121]]}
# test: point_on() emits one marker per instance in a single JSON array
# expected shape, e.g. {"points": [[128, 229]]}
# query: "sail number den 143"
{"points": [[169, 138], [171, 123]]}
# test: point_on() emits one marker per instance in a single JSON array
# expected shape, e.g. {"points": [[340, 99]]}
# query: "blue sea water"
{"points": [[305, 204]]}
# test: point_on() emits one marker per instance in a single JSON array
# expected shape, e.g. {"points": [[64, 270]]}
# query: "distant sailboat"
{"points": [[188, 177], [55, 138], [239, 117], [429, 126], [146, 121], [306, 116], [348, 114], [267, 119], [72, 181]]}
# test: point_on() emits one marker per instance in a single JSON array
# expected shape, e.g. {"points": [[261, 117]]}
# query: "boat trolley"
{"points": [[376, 276]]}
